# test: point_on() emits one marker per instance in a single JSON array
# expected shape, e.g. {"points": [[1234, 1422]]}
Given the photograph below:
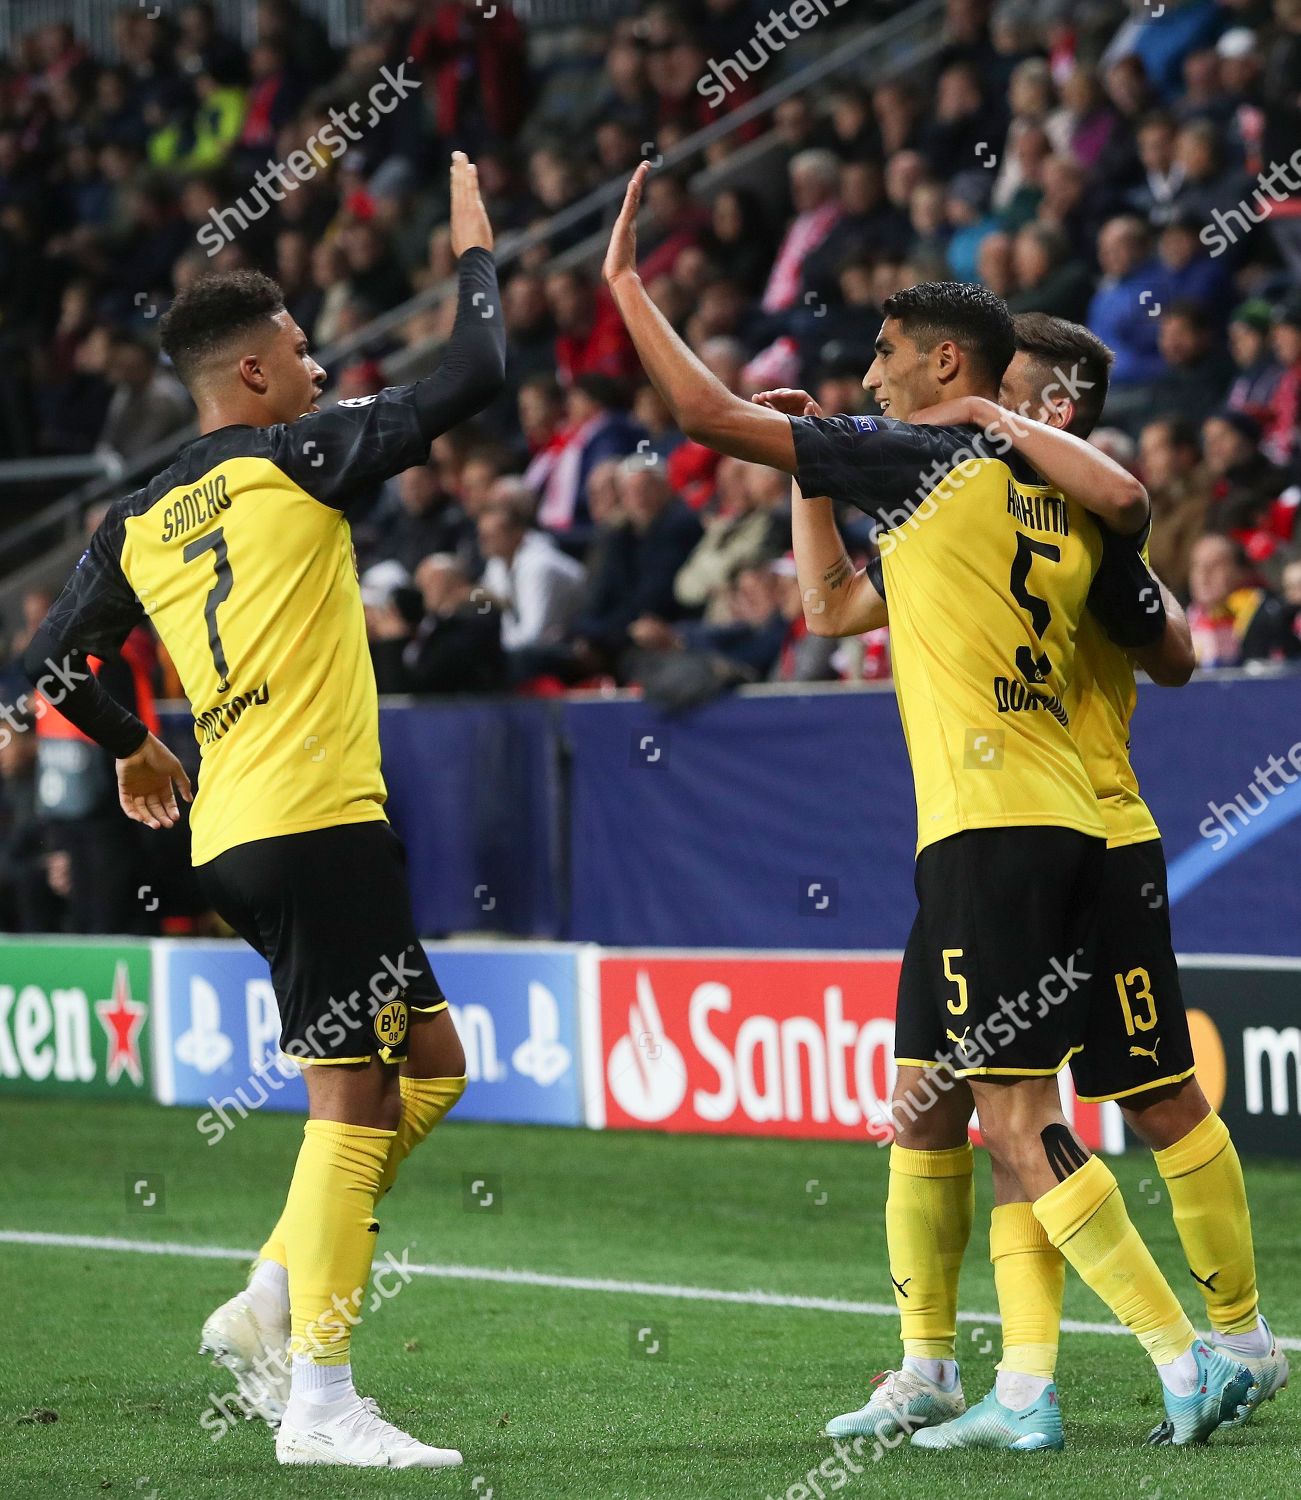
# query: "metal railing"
{"points": [[895, 46]]}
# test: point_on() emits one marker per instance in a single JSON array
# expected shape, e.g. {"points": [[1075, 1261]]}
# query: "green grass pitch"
{"points": [[546, 1389]]}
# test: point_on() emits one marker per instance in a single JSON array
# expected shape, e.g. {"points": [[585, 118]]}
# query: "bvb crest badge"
{"points": [[391, 1023]]}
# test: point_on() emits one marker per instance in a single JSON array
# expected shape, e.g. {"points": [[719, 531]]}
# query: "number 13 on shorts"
{"points": [[1136, 985]]}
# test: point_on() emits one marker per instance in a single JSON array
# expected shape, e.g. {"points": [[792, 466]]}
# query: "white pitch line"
{"points": [[508, 1277]]}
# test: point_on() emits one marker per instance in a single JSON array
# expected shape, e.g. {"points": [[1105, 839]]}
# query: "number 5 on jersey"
{"points": [[214, 542]]}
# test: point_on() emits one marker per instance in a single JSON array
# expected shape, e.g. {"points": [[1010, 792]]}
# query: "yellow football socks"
{"points": [[1204, 1178], [1030, 1279], [328, 1234], [1085, 1217], [928, 1216], [425, 1102]]}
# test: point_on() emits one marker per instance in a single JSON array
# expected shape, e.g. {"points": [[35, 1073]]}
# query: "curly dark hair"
{"points": [[971, 316], [212, 314]]}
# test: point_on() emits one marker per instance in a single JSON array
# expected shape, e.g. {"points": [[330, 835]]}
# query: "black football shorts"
{"points": [[1136, 1038], [330, 912], [997, 974]]}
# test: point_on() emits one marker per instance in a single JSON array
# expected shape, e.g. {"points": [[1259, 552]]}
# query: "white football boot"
{"points": [[249, 1336], [902, 1403], [352, 1432]]}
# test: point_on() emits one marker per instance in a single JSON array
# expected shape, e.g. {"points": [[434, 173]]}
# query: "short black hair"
{"points": [[210, 316], [1052, 345], [971, 316]]}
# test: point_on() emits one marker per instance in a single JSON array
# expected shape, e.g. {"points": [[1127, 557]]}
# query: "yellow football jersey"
{"points": [[1102, 701], [987, 571], [240, 554], [249, 580]]}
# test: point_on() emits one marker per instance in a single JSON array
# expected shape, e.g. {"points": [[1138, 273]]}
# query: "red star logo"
{"points": [[122, 1017]]}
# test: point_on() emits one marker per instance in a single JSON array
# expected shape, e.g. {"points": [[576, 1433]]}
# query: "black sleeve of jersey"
{"points": [[93, 615], [884, 467], [340, 454], [1124, 596]]}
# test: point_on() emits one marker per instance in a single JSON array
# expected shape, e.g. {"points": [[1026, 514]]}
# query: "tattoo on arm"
{"points": [[841, 573]]}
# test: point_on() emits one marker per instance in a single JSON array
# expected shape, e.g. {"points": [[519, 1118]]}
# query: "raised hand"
{"points": [[622, 254], [471, 228]]}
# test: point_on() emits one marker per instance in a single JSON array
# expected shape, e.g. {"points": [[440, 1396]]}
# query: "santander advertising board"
{"points": [[733, 1044]]}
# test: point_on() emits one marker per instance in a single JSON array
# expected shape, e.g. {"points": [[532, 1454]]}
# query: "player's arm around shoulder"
{"points": [[1066, 462]]}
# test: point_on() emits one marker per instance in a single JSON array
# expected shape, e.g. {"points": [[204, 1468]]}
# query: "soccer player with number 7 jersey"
{"points": [[240, 554]]}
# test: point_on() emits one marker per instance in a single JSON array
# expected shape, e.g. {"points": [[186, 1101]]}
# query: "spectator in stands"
{"points": [[1121, 312], [966, 209], [1196, 372], [637, 571], [964, 117], [1163, 175], [597, 427], [590, 336], [815, 184], [897, 111], [530, 332], [445, 639], [1048, 277], [748, 524], [1179, 488], [424, 520], [1246, 483], [739, 239], [1291, 576], [147, 403], [1283, 410], [534, 585], [1190, 272], [1232, 620], [1030, 148], [749, 639], [1063, 205], [995, 268], [1258, 370], [27, 901]]}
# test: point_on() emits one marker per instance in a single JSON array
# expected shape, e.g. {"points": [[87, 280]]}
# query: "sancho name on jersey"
{"points": [[240, 554], [987, 571]]}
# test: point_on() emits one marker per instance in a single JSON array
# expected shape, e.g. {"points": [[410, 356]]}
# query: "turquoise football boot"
{"points": [[1269, 1374], [1219, 1396], [990, 1424]]}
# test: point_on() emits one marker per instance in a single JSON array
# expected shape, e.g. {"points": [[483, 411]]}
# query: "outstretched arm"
{"points": [[1066, 462], [702, 406]]}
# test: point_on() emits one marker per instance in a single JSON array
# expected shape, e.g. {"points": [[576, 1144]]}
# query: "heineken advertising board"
{"points": [[74, 1018]]}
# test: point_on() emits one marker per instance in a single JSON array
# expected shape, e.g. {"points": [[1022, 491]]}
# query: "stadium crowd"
{"points": [[1136, 169]]}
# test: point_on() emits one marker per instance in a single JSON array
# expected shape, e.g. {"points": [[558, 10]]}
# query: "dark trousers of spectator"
{"points": [[105, 894]]}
